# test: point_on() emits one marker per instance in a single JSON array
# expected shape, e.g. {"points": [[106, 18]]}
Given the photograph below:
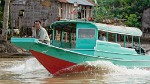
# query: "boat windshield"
{"points": [[86, 33]]}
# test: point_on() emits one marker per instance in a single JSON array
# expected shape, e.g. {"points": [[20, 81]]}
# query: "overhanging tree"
{"points": [[5, 20]]}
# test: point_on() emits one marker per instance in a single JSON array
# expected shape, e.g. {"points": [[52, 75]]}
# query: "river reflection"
{"points": [[30, 71]]}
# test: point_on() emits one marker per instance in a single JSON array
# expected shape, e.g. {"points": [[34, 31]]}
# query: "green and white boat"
{"points": [[75, 42]]}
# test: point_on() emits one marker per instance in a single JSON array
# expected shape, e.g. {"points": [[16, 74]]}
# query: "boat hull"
{"points": [[68, 58], [51, 63], [57, 60]]}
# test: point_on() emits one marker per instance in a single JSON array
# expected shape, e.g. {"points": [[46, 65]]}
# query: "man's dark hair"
{"points": [[37, 21]]}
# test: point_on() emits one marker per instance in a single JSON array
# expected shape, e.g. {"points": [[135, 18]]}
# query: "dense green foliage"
{"points": [[131, 10]]}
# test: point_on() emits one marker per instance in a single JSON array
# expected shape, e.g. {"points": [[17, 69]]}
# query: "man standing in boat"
{"points": [[40, 33]]}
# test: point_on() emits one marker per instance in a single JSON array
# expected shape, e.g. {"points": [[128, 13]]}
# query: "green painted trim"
{"points": [[140, 44], [106, 36], [71, 38], [62, 36], [116, 37], [132, 41], [125, 45], [53, 35]]}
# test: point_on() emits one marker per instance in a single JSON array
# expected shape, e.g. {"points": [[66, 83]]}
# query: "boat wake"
{"points": [[29, 70], [34, 68], [102, 68], [29, 65], [106, 72], [111, 68]]}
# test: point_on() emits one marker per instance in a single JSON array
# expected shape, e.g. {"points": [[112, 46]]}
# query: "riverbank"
{"points": [[14, 55], [8, 50]]}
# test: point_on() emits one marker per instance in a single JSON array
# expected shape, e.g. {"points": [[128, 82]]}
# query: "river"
{"points": [[28, 70]]}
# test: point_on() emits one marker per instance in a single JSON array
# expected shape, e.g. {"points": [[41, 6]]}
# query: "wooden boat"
{"points": [[75, 42]]}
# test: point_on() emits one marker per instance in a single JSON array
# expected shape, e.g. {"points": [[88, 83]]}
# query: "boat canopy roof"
{"points": [[65, 21], [133, 31], [119, 29]]}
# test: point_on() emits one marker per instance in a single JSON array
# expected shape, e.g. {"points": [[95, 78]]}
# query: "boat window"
{"points": [[102, 36], [86, 33], [65, 37]]}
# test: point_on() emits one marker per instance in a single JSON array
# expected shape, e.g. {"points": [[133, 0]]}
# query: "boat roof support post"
{"points": [[125, 41], [116, 36], [62, 36], [132, 41], [70, 40], [106, 36], [140, 44], [53, 35]]}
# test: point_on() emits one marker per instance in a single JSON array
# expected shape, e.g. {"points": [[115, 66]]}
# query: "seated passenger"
{"points": [[102, 37]]}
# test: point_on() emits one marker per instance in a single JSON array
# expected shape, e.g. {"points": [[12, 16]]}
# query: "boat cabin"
{"points": [[74, 34], [84, 35]]}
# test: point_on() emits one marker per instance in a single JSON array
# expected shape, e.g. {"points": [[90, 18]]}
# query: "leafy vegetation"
{"points": [[130, 10]]}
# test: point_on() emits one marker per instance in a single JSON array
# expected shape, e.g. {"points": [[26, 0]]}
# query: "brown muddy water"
{"points": [[29, 71]]}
